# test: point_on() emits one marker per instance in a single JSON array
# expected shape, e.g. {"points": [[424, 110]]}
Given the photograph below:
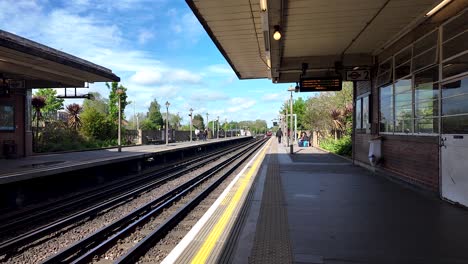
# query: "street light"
{"points": [[119, 93], [217, 132], [207, 126], [167, 122], [291, 146], [226, 129], [191, 112]]}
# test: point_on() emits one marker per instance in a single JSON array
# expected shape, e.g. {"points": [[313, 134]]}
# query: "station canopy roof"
{"points": [[41, 66], [319, 33]]}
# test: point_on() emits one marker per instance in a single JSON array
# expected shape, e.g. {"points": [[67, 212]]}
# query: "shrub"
{"points": [[342, 146], [95, 125]]}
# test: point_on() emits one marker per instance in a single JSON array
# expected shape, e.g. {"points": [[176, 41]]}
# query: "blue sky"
{"points": [[158, 49]]}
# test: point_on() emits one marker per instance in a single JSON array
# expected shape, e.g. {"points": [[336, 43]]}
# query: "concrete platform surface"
{"points": [[341, 213], [47, 164]]}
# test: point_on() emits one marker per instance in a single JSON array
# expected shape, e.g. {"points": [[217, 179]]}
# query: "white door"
{"points": [[454, 141], [454, 152]]}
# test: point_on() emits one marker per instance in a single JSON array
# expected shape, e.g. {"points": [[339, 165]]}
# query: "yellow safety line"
{"points": [[205, 250]]}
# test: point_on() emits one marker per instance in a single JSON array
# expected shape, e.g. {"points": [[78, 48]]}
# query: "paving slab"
{"points": [[341, 213]]}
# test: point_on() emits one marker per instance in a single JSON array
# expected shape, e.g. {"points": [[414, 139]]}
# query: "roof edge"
{"points": [[20, 44]]}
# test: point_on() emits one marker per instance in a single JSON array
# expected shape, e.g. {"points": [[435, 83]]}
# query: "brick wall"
{"points": [[415, 159], [361, 145]]}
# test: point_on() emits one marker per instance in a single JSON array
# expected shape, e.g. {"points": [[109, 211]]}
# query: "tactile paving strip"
{"points": [[272, 243]]}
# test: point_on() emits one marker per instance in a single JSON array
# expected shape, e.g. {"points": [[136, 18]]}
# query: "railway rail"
{"points": [[107, 235]]}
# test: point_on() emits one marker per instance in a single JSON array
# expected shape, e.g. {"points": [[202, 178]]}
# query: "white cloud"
{"points": [[144, 36], [184, 76], [208, 95], [240, 104], [146, 77], [220, 69], [154, 76]]}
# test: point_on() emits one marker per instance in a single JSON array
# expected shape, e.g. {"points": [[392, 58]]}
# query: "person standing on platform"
{"points": [[279, 134]]}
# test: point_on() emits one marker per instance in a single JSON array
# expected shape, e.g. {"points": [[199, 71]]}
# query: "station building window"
{"points": [[417, 89], [454, 85], [362, 113]]}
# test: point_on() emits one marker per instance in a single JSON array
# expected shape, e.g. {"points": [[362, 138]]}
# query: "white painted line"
{"points": [[190, 236]]}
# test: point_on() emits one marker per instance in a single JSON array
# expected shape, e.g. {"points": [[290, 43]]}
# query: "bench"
{"points": [[151, 140]]}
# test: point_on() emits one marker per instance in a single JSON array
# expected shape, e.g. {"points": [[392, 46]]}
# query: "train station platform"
{"points": [[315, 207], [14, 170]]}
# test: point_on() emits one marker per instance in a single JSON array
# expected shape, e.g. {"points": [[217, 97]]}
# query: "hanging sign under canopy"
{"points": [[320, 84]]}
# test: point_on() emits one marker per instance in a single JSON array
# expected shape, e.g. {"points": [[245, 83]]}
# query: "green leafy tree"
{"points": [[198, 122], [97, 102], [174, 120], [96, 125], [154, 119], [52, 103], [114, 100]]}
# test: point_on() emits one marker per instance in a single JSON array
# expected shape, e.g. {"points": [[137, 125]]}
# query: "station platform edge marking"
{"points": [[209, 243], [222, 199]]}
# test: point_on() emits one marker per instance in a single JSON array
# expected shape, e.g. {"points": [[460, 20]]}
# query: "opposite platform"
{"points": [[13, 170]]}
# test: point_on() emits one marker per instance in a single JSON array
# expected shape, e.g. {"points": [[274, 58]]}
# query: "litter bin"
{"points": [[9, 149]]}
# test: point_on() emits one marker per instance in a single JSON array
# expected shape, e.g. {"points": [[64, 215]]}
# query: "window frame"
{"points": [[367, 127]]}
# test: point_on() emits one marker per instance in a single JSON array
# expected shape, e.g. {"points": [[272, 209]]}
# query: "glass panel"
{"points": [[455, 88], [384, 78], [455, 124], [365, 112], [404, 125], [425, 43], [455, 46], [455, 26], [403, 56], [358, 113], [426, 93], [455, 105], [455, 66], [403, 70], [386, 109], [425, 59], [427, 125], [403, 106], [426, 77], [427, 108], [385, 66], [386, 125]]}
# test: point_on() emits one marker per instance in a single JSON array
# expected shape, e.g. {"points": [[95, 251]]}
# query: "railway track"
{"points": [[107, 234]]}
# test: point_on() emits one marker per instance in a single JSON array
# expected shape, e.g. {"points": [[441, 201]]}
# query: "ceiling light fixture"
{"points": [[263, 5], [438, 7], [277, 33]]}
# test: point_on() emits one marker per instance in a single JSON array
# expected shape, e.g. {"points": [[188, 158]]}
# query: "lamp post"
{"points": [[225, 130], [191, 112], [291, 146], [119, 92], [207, 126], [167, 122], [230, 127], [217, 126]]}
